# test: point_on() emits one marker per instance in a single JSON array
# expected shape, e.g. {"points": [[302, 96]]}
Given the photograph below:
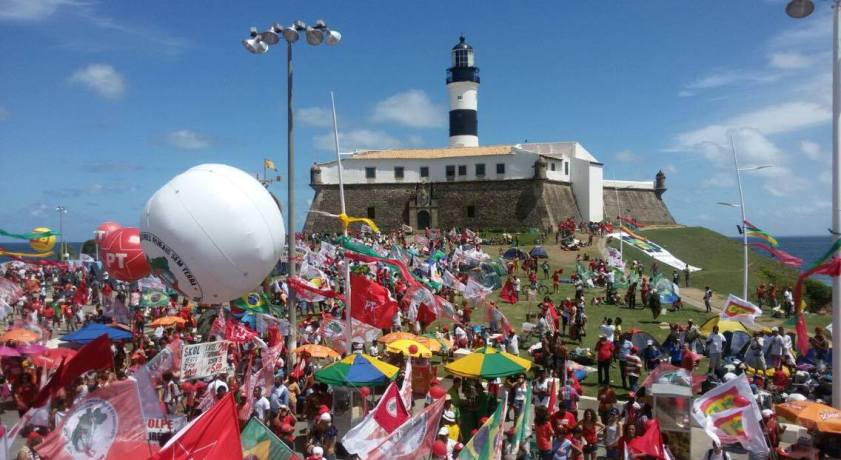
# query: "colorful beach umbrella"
{"points": [[411, 348], [388, 338], [811, 415], [488, 363], [435, 344], [357, 370], [317, 351], [19, 335], [8, 352], [167, 321]]}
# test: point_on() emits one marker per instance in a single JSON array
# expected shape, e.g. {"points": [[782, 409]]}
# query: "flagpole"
{"points": [[744, 232]]}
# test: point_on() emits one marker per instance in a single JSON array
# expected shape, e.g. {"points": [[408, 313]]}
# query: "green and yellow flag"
{"points": [[254, 302], [487, 442], [259, 443]]}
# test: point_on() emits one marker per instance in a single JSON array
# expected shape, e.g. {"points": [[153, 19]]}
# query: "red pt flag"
{"points": [[371, 303]]}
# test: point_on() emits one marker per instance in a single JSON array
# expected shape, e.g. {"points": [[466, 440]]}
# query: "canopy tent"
{"points": [[640, 339], [514, 253], [724, 325], [667, 373], [539, 252], [94, 330], [487, 363], [357, 370]]}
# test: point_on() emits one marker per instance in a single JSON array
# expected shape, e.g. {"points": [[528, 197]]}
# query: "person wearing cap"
{"points": [[440, 451], [316, 453], [286, 433], [324, 434], [772, 427], [448, 419], [625, 346]]}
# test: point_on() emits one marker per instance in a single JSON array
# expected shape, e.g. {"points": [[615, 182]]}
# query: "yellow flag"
{"points": [[269, 164], [347, 220]]}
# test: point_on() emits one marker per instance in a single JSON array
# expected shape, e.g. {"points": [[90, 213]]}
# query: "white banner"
{"points": [[157, 427], [204, 360]]}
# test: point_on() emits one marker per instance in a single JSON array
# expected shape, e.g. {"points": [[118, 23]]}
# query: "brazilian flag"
{"points": [[153, 298], [254, 302], [259, 443]]}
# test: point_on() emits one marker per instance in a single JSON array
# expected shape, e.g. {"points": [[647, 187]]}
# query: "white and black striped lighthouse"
{"points": [[463, 88]]}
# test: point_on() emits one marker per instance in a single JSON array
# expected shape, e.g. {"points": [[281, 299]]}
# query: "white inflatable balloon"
{"points": [[213, 233]]}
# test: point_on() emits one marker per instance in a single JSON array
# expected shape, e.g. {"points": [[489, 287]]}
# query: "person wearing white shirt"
{"points": [[261, 404], [607, 329], [214, 386], [715, 345], [513, 344]]}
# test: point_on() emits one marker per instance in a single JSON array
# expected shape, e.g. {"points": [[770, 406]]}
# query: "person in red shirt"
{"points": [[543, 433], [689, 358], [604, 355], [630, 432], [563, 421]]}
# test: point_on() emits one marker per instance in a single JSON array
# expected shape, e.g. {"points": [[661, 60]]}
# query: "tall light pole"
{"points": [[259, 43], [800, 9], [61, 210], [741, 206]]}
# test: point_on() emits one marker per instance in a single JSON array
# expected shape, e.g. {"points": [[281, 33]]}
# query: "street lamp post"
{"points": [[61, 210], [258, 43], [800, 9]]}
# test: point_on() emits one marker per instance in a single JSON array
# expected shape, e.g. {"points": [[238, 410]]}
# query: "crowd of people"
{"points": [[59, 298]]}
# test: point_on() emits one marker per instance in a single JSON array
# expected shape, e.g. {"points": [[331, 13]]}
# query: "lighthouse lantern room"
{"points": [[463, 88]]}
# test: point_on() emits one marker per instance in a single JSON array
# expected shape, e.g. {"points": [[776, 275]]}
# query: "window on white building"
{"points": [[480, 169], [451, 170], [566, 167], [370, 173], [424, 171], [552, 166], [462, 170], [500, 168], [398, 172]]}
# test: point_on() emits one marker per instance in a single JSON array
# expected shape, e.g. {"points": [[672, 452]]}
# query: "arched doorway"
{"points": [[423, 219]]}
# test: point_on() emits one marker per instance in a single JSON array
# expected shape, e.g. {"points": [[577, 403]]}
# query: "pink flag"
{"points": [[406, 388]]}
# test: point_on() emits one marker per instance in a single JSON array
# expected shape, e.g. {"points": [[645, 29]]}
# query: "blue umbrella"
{"points": [[94, 330]]}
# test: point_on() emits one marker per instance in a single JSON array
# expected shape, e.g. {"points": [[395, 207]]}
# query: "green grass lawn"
{"points": [[719, 257]]}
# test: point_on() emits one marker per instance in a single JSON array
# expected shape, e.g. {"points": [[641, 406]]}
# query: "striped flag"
{"points": [[269, 164], [752, 231]]}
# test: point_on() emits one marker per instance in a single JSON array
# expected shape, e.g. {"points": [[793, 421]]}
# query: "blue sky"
{"points": [[104, 102]]}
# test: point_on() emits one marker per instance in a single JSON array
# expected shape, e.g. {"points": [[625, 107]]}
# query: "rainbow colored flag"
{"points": [[738, 309], [752, 231], [487, 442]]}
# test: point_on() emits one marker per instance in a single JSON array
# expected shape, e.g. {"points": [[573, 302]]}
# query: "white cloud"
{"points": [[357, 139], [188, 140], [102, 79], [719, 180], [784, 182], [4, 113], [39, 210], [825, 177], [811, 150], [669, 169], [790, 60], [732, 77], [810, 207], [315, 116], [626, 156], [685, 93], [31, 10], [411, 108], [415, 140]]}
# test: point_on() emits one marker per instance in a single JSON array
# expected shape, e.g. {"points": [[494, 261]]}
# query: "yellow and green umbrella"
{"points": [[488, 363], [357, 370], [411, 348]]}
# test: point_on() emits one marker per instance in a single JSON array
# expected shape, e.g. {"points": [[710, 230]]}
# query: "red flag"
{"points": [[507, 293], [802, 334], [107, 424], [94, 355], [238, 333], [371, 303], [650, 443], [81, 296], [553, 396], [391, 413], [213, 435]]}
